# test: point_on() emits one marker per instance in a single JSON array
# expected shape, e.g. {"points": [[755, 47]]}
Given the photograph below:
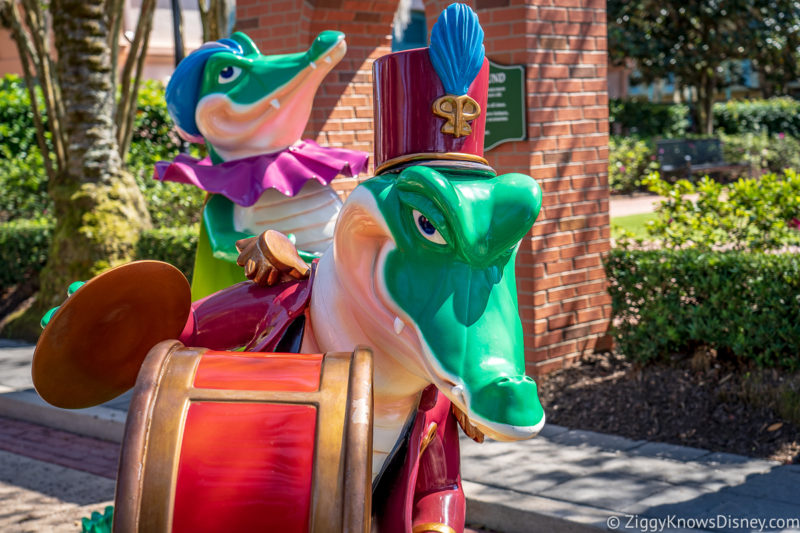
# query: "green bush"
{"points": [[630, 160], [23, 249], [24, 193], [17, 131], [749, 214], [24, 246], [22, 175], [744, 305], [763, 152], [175, 246], [648, 119], [773, 116], [154, 139]]}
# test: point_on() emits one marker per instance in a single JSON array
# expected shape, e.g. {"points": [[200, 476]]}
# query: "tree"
{"points": [[99, 210], [215, 16], [699, 41], [774, 46]]}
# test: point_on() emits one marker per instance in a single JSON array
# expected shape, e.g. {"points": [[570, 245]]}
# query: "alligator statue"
{"points": [[421, 270], [250, 110]]}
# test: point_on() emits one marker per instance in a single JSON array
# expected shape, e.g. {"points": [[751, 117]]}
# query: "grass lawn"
{"points": [[633, 223]]}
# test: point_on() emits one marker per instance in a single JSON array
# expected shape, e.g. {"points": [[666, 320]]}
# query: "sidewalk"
{"points": [[622, 206], [564, 480], [50, 479]]}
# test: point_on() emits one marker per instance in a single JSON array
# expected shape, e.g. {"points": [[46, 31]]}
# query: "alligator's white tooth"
{"points": [[458, 392], [398, 325], [312, 64], [328, 60], [275, 103]]}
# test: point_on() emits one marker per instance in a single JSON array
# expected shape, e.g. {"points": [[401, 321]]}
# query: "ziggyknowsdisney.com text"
{"points": [[651, 524]]}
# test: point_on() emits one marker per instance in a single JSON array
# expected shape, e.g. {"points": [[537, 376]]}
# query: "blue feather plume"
{"points": [[456, 49]]}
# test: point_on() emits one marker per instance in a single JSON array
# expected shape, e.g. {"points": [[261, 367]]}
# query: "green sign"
{"points": [[505, 113]]}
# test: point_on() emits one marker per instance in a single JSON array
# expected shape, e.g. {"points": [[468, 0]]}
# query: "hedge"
{"points": [[753, 214], [24, 246], [630, 160], [23, 249], [745, 305], [23, 178], [774, 116], [175, 246], [652, 119], [648, 119]]}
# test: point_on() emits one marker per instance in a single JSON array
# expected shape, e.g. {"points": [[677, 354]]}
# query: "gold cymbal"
{"points": [[92, 349]]}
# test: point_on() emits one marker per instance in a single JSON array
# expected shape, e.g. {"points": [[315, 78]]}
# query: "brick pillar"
{"points": [[561, 284]]}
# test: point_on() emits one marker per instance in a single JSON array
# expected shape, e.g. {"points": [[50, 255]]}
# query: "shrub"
{"points": [[175, 246], [745, 305], [773, 116], [24, 189], [771, 153], [24, 182], [17, 131], [169, 204], [751, 213], [23, 249], [648, 119], [629, 161], [24, 246]]}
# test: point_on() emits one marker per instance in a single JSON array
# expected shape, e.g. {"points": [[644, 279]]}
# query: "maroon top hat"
{"points": [[430, 103]]}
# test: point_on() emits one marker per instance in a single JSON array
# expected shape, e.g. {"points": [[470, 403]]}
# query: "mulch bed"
{"points": [[699, 402]]}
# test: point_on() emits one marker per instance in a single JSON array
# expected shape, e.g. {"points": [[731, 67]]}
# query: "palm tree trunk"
{"points": [[99, 210]]}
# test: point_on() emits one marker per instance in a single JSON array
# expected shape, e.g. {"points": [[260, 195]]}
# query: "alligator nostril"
{"points": [[528, 378], [504, 380]]}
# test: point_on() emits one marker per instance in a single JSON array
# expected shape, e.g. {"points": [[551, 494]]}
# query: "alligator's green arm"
{"points": [[218, 221]]}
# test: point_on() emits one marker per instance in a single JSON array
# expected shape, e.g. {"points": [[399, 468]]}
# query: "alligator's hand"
{"points": [[270, 258], [74, 286]]}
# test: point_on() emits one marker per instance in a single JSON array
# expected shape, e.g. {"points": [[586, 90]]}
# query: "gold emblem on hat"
{"points": [[458, 111]]}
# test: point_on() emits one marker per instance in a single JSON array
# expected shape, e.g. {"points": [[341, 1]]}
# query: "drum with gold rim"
{"points": [[241, 441]]}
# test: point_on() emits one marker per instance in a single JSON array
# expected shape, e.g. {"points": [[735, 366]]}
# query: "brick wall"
{"points": [[563, 303]]}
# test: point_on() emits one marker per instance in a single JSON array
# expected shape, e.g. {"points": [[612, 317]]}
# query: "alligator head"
{"points": [[435, 250], [243, 103]]}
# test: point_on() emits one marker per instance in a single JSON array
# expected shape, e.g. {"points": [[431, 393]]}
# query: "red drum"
{"points": [[241, 441]]}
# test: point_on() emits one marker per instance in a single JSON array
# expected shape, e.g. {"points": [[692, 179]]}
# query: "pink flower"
{"points": [[781, 135], [622, 168], [795, 223]]}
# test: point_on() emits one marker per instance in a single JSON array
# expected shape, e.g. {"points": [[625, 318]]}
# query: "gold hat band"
{"points": [[449, 156]]}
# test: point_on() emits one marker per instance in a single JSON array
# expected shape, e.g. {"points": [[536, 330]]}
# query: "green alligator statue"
{"points": [[250, 110]]}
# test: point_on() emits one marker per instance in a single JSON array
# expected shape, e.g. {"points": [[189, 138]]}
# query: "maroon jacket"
{"points": [[422, 482]]}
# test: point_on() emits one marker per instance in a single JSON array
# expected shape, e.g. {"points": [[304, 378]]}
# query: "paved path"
{"points": [[563, 481], [622, 206], [50, 479]]}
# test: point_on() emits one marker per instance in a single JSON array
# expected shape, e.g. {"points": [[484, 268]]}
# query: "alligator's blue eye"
{"points": [[426, 228], [425, 225], [229, 73]]}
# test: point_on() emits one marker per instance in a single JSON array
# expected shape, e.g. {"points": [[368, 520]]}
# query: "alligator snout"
{"points": [[512, 402]]}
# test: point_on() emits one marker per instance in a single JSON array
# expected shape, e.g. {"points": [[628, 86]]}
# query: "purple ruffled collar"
{"points": [[243, 180]]}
